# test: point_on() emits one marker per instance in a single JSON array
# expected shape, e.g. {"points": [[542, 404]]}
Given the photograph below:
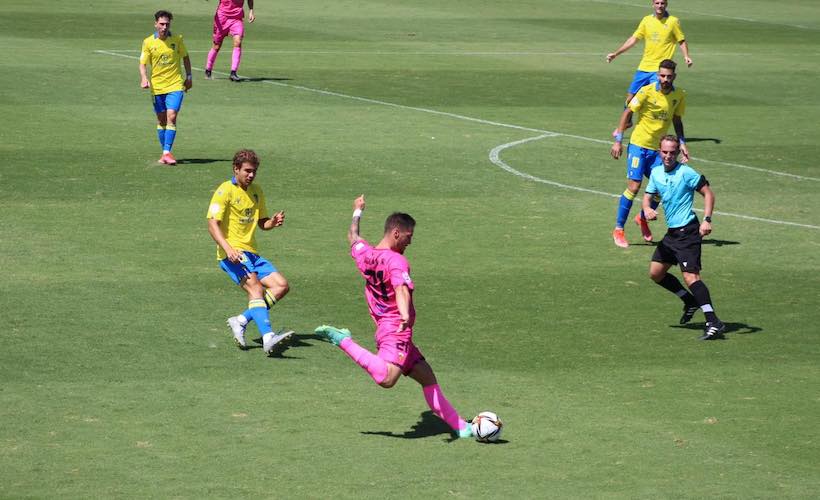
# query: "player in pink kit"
{"points": [[229, 20], [389, 292]]}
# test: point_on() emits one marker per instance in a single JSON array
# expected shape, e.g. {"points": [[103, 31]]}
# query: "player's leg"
{"points": [[276, 287], [220, 31], [236, 56], [689, 258], [422, 373], [173, 103], [651, 159], [162, 121], [383, 373], [663, 259]]}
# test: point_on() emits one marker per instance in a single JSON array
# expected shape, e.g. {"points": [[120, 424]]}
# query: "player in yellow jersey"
{"points": [[237, 209], [163, 51], [660, 33], [657, 105]]}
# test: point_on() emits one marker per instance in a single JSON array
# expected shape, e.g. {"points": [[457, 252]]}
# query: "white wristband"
{"points": [[357, 212]]}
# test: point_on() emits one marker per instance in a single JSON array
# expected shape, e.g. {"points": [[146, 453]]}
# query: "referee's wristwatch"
{"points": [[708, 219]]}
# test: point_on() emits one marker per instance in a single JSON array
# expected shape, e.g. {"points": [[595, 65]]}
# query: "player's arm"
{"points": [[677, 122], [403, 301], [216, 234], [143, 76], [617, 146], [684, 48], [628, 44], [251, 16], [353, 230], [708, 206], [189, 79], [268, 223]]}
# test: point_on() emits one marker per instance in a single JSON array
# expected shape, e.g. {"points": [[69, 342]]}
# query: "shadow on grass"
{"points": [[427, 426], [731, 327], [296, 341], [201, 161], [703, 139], [707, 241], [264, 79]]}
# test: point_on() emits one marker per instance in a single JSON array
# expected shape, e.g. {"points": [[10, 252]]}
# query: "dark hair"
{"points": [[670, 138], [163, 13], [668, 64], [245, 156], [399, 220]]}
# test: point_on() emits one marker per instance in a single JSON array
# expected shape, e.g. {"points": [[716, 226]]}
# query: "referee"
{"points": [[676, 184]]}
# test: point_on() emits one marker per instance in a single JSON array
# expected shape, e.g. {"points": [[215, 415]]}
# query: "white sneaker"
{"points": [[274, 343], [238, 330]]}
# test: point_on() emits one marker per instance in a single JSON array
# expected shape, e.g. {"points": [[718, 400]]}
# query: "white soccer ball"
{"points": [[487, 427]]}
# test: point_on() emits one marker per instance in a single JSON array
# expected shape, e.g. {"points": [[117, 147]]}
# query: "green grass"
{"points": [[119, 378]]}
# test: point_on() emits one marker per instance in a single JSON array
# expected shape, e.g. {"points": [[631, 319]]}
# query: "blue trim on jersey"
{"points": [[677, 191], [642, 79], [252, 263], [171, 100], [639, 162]]}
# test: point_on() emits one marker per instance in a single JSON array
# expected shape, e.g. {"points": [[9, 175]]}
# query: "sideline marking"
{"points": [[544, 134], [495, 158]]}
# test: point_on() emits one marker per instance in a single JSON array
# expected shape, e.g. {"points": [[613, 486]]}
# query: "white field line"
{"points": [[675, 9], [495, 158], [544, 134], [434, 53]]}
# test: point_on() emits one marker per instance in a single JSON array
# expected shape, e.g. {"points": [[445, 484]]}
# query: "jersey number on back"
{"points": [[376, 284]]}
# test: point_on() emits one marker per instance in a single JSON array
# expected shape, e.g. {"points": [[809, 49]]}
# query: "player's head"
{"points": [[162, 22], [666, 74], [669, 150], [398, 230], [245, 164], [659, 6]]}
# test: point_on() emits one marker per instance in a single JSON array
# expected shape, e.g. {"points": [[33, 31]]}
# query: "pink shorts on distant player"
{"points": [[227, 26], [398, 349]]}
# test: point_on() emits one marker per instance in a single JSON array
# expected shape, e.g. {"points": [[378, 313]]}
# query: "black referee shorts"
{"points": [[681, 245]]}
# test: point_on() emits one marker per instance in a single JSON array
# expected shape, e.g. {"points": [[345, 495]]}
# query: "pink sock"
{"points": [[374, 365], [235, 58], [441, 407], [209, 63]]}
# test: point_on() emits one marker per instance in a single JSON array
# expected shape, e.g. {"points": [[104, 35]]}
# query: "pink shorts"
{"points": [[398, 349], [227, 26]]}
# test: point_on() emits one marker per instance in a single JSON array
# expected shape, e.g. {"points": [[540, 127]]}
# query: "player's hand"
{"points": [[251, 16], [616, 150], [278, 218], [188, 84], [144, 83], [705, 228], [233, 255], [650, 214], [403, 325], [688, 61], [358, 203], [610, 57], [684, 152]]}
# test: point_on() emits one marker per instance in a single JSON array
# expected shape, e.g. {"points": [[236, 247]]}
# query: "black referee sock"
{"points": [[701, 293], [671, 283]]}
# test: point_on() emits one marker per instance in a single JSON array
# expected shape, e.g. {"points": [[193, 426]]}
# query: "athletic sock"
{"points": [[161, 135], [236, 57], [442, 408], [704, 300], [270, 300], [673, 284], [624, 206], [375, 366], [259, 313], [170, 135], [209, 62]]}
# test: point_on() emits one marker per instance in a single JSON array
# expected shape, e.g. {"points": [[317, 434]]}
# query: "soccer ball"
{"points": [[487, 427]]}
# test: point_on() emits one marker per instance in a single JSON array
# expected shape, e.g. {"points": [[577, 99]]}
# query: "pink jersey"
{"points": [[383, 270], [231, 9]]}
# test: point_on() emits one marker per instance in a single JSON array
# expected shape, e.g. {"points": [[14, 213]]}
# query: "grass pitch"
{"points": [[119, 378]]}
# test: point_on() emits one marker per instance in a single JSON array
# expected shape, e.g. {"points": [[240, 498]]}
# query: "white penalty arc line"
{"points": [[495, 158]]}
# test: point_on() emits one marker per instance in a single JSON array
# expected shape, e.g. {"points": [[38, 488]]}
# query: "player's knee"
{"points": [[388, 383]]}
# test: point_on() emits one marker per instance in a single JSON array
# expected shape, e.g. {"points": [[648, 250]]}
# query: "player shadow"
{"points": [[427, 426], [264, 79], [295, 342], [201, 161], [703, 139], [736, 328], [707, 241]]}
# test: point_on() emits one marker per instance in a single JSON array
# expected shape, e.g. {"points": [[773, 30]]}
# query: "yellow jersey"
{"points": [[660, 37], [164, 57], [655, 111], [239, 212]]}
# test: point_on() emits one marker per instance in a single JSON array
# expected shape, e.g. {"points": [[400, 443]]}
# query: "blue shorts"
{"points": [[639, 162], [641, 79], [171, 100], [251, 263]]}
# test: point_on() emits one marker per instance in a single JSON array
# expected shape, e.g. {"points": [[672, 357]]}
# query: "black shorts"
{"points": [[681, 245]]}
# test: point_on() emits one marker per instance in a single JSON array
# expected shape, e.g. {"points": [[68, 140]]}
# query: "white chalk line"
{"points": [[543, 134], [495, 158], [435, 53]]}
